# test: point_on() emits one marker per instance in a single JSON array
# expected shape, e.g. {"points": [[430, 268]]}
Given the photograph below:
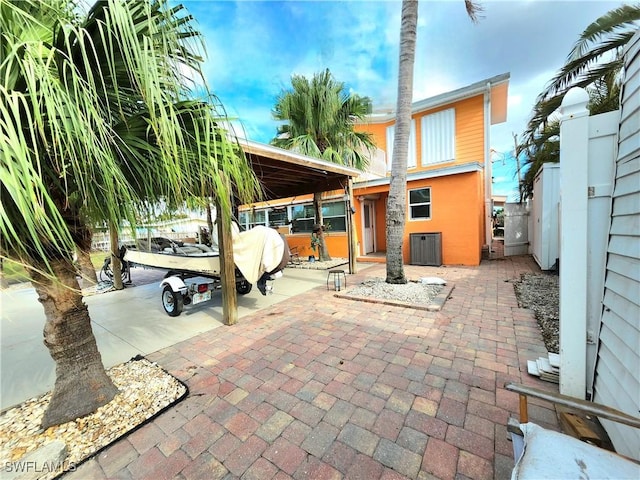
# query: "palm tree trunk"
{"points": [[210, 222], [396, 205], [82, 385], [84, 237], [3, 281], [116, 265], [87, 270], [323, 252]]}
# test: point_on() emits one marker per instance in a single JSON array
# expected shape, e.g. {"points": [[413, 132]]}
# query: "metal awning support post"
{"points": [[351, 229]]}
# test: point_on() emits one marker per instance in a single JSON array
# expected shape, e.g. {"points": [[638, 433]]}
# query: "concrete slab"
{"points": [[126, 323]]}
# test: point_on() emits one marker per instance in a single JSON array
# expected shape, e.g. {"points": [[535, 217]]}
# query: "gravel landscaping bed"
{"points": [[411, 292], [541, 293], [145, 390], [318, 265]]}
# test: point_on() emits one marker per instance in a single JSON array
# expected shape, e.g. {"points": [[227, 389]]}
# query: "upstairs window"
{"points": [[439, 137], [420, 204], [411, 159]]}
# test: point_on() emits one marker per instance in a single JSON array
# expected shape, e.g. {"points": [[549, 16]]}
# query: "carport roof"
{"points": [[284, 173]]}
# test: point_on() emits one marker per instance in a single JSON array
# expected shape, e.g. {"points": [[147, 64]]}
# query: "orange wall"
{"points": [[336, 244], [457, 208], [456, 211], [378, 130], [469, 133]]}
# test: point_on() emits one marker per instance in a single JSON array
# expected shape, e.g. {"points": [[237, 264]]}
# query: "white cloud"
{"points": [[254, 47]]}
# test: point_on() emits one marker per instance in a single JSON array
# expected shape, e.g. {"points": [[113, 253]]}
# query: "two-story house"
{"points": [[448, 182], [448, 173]]}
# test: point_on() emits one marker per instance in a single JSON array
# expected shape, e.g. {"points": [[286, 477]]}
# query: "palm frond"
{"points": [[474, 10], [98, 117], [621, 18], [586, 66], [320, 115]]}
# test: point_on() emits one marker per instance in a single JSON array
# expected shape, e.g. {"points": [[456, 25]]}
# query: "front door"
{"points": [[368, 217]]}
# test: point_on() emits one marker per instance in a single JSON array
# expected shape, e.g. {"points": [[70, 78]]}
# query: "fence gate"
{"points": [[516, 229]]}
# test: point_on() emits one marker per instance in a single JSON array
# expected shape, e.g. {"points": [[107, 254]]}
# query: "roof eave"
{"points": [[499, 88], [287, 156]]}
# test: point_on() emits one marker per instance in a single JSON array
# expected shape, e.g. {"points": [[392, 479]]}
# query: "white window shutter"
{"points": [[439, 137], [411, 159]]}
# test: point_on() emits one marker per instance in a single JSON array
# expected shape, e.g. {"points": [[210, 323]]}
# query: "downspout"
{"points": [[487, 167]]}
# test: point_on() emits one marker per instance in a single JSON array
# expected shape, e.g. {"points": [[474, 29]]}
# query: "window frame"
{"points": [[446, 137], [410, 205], [247, 215]]}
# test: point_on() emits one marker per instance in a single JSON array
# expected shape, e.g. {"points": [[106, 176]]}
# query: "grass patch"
{"points": [[97, 258]]}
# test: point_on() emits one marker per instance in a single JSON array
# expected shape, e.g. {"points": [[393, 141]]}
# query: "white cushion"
{"points": [[552, 455]]}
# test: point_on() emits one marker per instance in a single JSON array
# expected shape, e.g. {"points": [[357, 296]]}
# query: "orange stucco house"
{"points": [[449, 203]]}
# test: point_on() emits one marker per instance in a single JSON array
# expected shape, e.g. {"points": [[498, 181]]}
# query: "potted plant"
{"points": [[315, 243]]}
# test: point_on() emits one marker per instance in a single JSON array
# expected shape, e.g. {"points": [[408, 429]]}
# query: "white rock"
{"points": [[32, 465]]}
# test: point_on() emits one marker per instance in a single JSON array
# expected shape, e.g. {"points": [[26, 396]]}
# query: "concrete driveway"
{"points": [[126, 323]]}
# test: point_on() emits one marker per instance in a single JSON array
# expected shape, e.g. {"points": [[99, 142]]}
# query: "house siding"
{"points": [[457, 186], [617, 378], [379, 133], [460, 225], [457, 200], [470, 130], [469, 125]]}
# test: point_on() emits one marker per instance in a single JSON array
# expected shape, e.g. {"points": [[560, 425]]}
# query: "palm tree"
{"points": [[97, 118], [396, 209], [604, 96], [594, 63], [320, 115], [396, 205]]}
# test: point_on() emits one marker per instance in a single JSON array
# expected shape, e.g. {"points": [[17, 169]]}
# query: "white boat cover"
{"points": [[257, 251]]}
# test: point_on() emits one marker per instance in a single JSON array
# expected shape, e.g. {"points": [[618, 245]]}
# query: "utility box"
{"points": [[426, 249]]}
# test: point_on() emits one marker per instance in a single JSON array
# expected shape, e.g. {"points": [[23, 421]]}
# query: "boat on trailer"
{"points": [[193, 270]]}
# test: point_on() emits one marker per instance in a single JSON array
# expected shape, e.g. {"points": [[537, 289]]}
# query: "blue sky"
{"points": [[254, 47]]}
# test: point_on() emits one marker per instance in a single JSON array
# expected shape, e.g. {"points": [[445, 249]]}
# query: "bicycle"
{"points": [[106, 272]]}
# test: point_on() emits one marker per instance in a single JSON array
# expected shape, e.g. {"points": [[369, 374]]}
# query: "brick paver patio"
{"points": [[323, 388]]}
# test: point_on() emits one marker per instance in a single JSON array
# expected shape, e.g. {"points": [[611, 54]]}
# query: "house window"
{"points": [[411, 159], [243, 219], [304, 218], [420, 204], [334, 217], [439, 137], [277, 217], [250, 218]]}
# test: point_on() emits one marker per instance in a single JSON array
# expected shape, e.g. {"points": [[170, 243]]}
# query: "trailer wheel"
{"points": [[172, 301], [243, 287]]}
